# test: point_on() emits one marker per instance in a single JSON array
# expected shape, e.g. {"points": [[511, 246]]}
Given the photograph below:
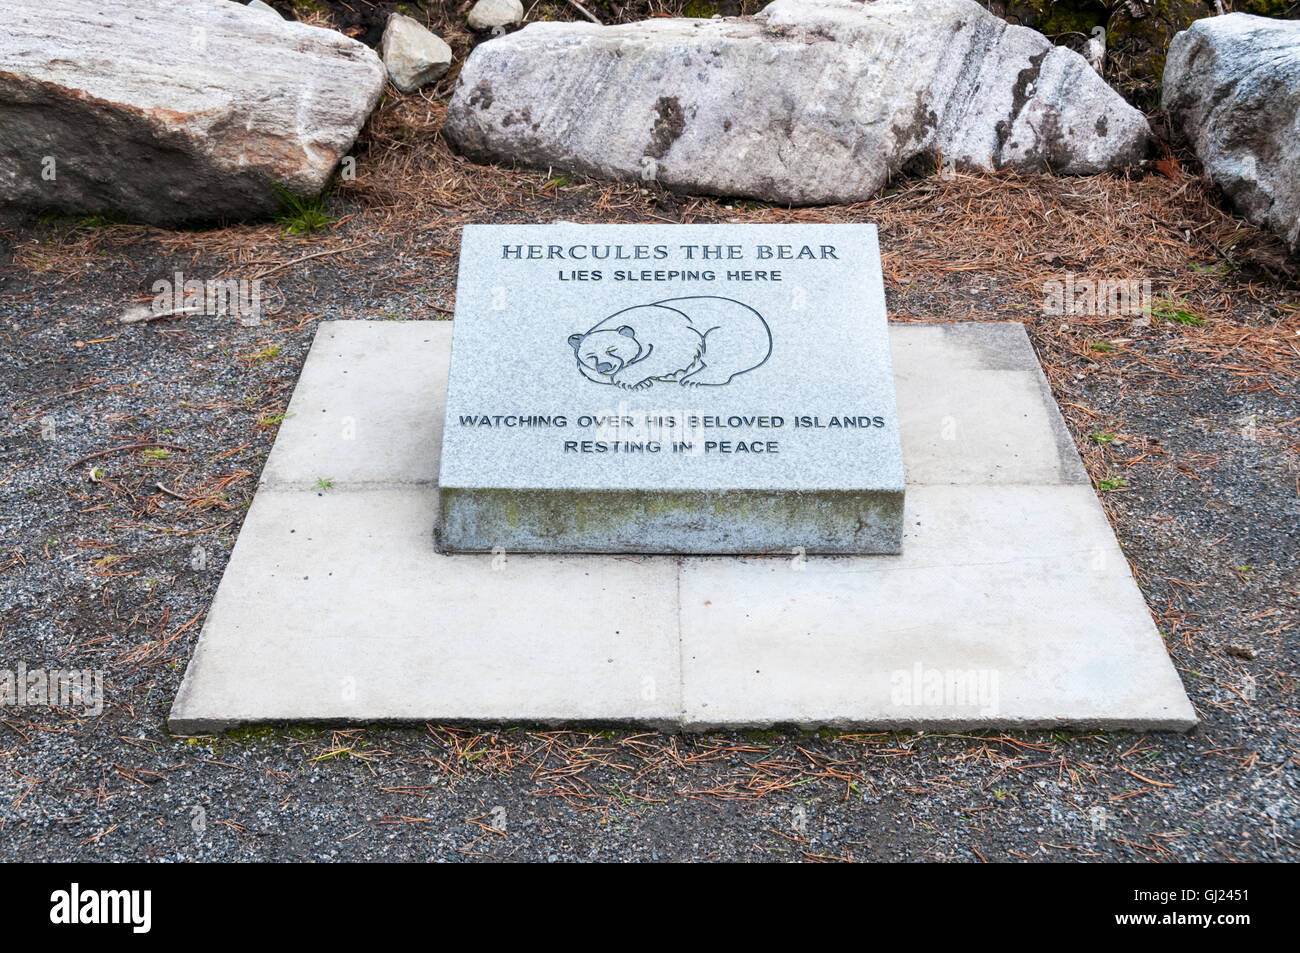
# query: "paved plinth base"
{"points": [[1011, 604]]}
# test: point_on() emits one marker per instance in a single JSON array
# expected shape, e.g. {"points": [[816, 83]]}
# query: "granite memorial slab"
{"points": [[698, 389]]}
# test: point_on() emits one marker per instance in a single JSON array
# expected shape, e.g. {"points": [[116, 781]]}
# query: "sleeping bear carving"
{"points": [[695, 342]]}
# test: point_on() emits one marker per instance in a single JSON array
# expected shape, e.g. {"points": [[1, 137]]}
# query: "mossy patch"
{"points": [[1135, 45]]}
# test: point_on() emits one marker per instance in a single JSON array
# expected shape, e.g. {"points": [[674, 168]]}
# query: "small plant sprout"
{"points": [[268, 421], [268, 353], [302, 215], [1167, 309]]}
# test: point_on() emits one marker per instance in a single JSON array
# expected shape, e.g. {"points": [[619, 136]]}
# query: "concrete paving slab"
{"points": [[975, 408], [1009, 607], [335, 607], [368, 407], [1011, 604]]}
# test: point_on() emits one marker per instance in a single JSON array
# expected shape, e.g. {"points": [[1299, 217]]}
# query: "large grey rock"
{"points": [[165, 113], [1232, 90], [412, 54], [809, 101]]}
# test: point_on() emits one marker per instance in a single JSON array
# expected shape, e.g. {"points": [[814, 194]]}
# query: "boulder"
{"points": [[413, 55], [1232, 91], [487, 14], [261, 7], [809, 101], [188, 111]]}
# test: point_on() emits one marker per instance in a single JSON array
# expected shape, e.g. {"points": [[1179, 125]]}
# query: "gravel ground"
{"points": [[1189, 431]]}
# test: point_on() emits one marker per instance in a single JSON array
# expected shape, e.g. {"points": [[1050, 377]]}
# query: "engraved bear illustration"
{"points": [[695, 342]]}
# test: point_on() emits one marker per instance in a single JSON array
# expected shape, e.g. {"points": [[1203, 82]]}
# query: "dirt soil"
{"points": [[128, 451]]}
